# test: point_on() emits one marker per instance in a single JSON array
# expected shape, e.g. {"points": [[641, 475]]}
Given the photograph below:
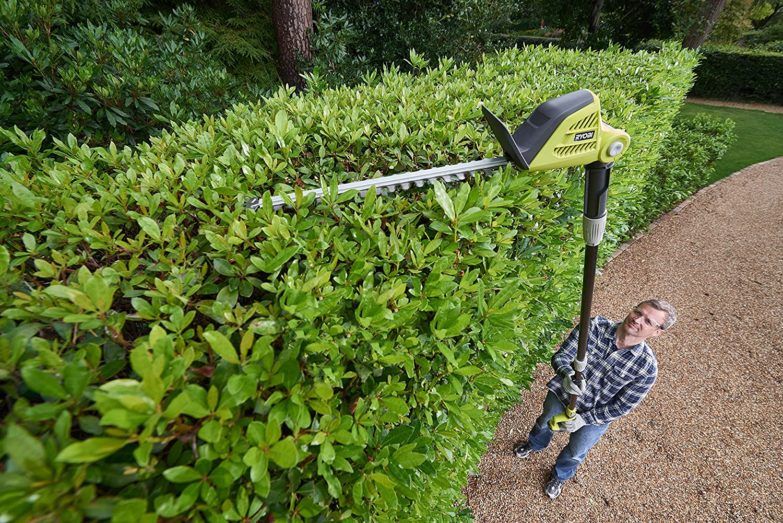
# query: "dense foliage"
{"points": [[102, 72], [167, 353], [631, 22], [338, 57], [734, 73], [769, 38], [384, 32], [624, 22], [687, 162], [241, 35]]}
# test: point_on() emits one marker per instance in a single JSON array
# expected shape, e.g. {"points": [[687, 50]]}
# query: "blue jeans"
{"points": [[579, 443]]}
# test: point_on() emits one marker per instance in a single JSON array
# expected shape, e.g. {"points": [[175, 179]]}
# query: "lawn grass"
{"points": [[759, 136]]}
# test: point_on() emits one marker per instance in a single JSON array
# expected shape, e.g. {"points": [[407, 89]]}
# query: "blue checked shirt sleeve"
{"points": [[628, 398], [567, 352]]}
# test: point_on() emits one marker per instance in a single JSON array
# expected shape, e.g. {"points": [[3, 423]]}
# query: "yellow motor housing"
{"points": [[562, 132]]}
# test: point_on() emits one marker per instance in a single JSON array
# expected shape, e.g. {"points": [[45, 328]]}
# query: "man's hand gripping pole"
{"points": [[557, 423]]}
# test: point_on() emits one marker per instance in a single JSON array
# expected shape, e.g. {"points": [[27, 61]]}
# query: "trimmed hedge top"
{"points": [[167, 353]]}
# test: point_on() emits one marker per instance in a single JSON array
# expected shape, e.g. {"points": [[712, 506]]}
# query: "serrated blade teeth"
{"points": [[397, 182]]}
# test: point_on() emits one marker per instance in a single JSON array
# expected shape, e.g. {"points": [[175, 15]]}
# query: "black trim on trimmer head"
{"points": [[530, 137]]}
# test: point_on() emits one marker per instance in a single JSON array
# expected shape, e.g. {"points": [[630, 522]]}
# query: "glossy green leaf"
{"points": [[5, 260], [211, 431], [43, 383], [327, 453], [192, 402], [270, 265], [396, 405], [76, 376], [90, 450], [45, 269], [99, 293], [407, 458], [149, 226], [123, 419], [27, 452], [284, 453], [444, 200], [222, 346], [181, 474], [130, 511]]}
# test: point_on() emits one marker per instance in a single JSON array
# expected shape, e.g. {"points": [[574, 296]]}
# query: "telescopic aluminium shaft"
{"points": [[594, 219]]}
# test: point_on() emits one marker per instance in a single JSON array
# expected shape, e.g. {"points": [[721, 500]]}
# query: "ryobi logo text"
{"points": [[581, 137]]}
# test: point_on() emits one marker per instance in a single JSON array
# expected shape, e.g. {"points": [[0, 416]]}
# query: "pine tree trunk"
{"points": [[293, 20], [702, 28]]}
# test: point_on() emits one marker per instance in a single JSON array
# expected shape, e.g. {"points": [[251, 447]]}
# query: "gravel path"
{"points": [[705, 445], [739, 105]]}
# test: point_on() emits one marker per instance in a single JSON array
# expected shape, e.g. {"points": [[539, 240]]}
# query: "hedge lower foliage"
{"points": [[688, 160], [166, 353]]}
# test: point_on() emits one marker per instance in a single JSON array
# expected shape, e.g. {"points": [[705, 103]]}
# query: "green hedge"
{"points": [[167, 353], [733, 73], [687, 162]]}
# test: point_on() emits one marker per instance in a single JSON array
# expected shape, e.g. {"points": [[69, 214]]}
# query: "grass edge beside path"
{"points": [[758, 133]]}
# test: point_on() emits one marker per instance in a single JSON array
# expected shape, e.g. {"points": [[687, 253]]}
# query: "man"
{"points": [[619, 372]]}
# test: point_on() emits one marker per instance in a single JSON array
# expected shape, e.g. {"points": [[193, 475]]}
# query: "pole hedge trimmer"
{"points": [[562, 132]]}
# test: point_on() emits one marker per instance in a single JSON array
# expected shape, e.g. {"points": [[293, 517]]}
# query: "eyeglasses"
{"points": [[636, 313]]}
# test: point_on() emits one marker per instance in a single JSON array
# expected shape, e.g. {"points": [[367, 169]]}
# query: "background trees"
{"points": [[293, 20], [106, 72], [629, 22], [701, 26], [121, 70], [461, 29]]}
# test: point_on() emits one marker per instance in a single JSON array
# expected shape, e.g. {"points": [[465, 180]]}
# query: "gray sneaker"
{"points": [[554, 488], [523, 450]]}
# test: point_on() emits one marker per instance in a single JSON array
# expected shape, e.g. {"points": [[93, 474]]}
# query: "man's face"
{"points": [[644, 321]]}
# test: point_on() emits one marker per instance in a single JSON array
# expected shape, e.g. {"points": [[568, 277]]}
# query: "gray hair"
{"points": [[663, 306]]}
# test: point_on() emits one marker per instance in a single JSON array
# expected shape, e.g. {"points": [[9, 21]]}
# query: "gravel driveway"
{"points": [[705, 445]]}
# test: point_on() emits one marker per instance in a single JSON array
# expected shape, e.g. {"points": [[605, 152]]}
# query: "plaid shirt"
{"points": [[617, 379]]}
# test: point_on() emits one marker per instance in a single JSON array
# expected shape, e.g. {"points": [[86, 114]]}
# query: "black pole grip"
{"points": [[596, 187]]}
